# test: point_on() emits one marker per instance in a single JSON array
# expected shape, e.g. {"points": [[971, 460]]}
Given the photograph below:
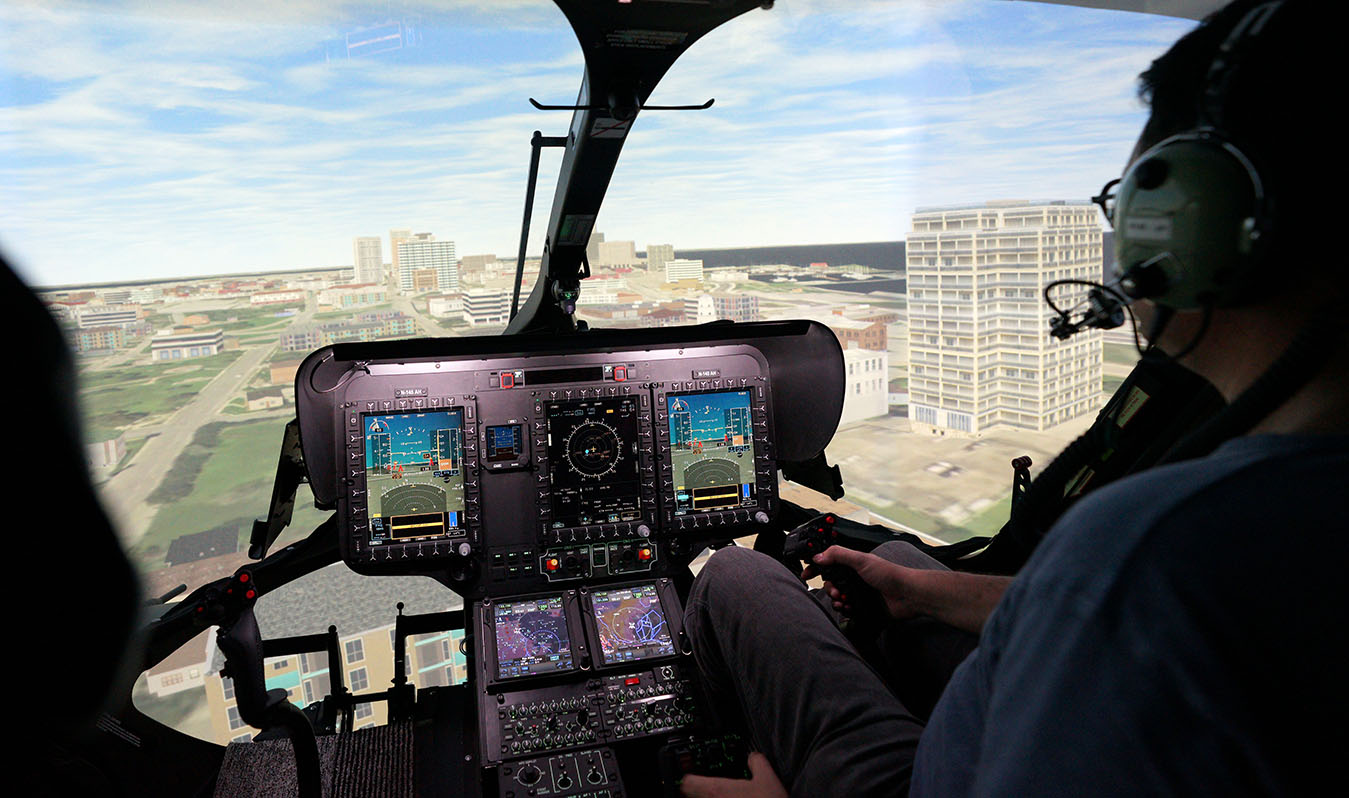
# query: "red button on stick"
{"points": [[243, 577]]}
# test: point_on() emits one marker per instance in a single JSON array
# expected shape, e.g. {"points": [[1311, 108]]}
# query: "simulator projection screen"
{"points": [[711, 451], [631, 624], [531, 638], [414, 475]]}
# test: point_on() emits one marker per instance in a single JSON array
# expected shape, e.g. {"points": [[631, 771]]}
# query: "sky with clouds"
{"points": [[172, 139]]}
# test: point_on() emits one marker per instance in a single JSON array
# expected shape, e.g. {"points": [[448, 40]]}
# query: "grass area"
{"points": [[1111, 384], [351, 312], [222, 478], [1120, 354], [899, 384], [114, 399], [172, 710], [236, 407], [131, 448]]}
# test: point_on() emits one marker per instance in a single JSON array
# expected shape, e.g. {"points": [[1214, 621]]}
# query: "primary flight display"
{"points": [[711, 451], [414, 474]]}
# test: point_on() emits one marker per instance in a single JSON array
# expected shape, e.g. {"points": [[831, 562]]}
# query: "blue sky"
{"points": [[169, 139]]}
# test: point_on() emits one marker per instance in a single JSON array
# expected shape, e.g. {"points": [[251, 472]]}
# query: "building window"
{"points": [[236, 722], [359, 680], [364, 711], [227, 684], [355, 650]]}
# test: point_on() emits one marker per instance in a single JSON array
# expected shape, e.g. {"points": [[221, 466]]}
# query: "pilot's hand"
{"points": [[763, 783], [890, 580]]}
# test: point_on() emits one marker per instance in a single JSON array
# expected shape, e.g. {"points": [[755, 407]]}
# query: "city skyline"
{"points": [[243, 148]]}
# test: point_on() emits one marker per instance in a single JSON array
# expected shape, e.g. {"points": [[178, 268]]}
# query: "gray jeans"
{"points": [[831, 721]]}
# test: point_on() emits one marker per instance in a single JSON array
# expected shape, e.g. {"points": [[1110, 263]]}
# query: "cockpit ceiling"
{"points": [[1189, 9]]}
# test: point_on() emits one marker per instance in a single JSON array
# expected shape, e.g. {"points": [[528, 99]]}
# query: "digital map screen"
{"points": [[414, 474], [711, 451], [631, 623], [531, 638], [592, 461]]}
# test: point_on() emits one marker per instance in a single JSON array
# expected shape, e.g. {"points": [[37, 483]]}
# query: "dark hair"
{"points": [[1269, 98]]}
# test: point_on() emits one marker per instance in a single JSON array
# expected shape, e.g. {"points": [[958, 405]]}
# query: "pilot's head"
{"points": [[1223, 212]]}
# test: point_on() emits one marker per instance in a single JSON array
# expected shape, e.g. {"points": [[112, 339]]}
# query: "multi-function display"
{"points": [[711, 451], [631, 624], [414, 474], [532, 637], [593, 466]]}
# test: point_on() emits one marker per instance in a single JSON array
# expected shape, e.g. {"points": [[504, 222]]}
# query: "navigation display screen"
{"points": [[592, 461], [631, 624], [711, 451], [532, 638], [414, 475]]}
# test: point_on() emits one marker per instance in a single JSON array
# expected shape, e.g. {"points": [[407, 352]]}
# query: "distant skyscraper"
{"points": [[617, 253], [593, 247], [367, 259], [980, 353], [427, 264], [657, 255], [683, 269], [396, 236]]}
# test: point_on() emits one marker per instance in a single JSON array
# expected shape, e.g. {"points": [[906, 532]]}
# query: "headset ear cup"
{"points": [[1188, 212]]}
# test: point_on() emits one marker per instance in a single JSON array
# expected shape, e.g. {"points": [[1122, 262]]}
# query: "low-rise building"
{"points": [[487, 307], [352, 296], [284, 297], [264, 398], [181, 346]]}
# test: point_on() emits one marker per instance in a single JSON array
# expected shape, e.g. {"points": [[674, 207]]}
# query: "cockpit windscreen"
{"points": [[711, 451], [532, 637], [631, 624], [414, 475]]}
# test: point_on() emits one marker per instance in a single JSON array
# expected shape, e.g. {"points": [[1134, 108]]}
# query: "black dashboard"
{"points": [[562, 486]]}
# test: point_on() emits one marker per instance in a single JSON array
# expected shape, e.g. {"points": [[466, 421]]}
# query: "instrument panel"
{"points": [[502, 472]]}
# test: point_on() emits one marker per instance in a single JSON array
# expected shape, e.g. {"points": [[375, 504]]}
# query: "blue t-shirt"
{"points": [[1181, 631]]}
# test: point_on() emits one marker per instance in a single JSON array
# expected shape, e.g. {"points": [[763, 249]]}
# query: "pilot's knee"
{"points": [[738, 570], [903, 553]]}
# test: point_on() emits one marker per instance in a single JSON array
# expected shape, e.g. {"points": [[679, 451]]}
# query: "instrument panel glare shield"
{"points": [[414, 471]]}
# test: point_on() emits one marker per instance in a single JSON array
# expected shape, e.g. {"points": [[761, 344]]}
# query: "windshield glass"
{"points": [[203, 197]]}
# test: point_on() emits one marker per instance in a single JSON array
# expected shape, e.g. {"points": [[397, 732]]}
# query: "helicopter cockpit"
{"points": [[564, 481]]}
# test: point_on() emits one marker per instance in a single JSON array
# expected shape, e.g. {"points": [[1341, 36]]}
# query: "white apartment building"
{"points": [[423, 256], [683, 269], [367, 258], [866, 384], [486, 307], [980, 353]]}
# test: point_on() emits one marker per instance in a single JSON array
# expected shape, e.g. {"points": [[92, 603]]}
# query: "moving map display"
{"points": [[592, 461], [631, 624], [414, 474], [532, 638], [711, 451]]}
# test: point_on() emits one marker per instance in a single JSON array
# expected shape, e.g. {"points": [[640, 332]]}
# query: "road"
{"points": [[124, 495]]}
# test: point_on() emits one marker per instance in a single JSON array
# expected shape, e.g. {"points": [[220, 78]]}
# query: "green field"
{"points": [[223, 478], [986, 522], [1120, 354], [114, 399]]}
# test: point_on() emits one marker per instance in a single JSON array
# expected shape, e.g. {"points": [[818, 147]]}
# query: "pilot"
{"points": [[1179, 631]]}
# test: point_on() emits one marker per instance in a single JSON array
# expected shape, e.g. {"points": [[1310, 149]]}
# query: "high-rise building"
{"points": [[396, 236], [425, 264], [593, 247], [617, 253], [712, 307], [683, 269], [980, 353], [367, 259], [657, 255]]}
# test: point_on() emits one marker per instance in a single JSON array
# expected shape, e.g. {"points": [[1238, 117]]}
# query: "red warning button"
{"points": [[620, 373]]}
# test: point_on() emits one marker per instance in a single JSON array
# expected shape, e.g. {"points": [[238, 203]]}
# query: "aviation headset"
{"points": [[1192, 217]]}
